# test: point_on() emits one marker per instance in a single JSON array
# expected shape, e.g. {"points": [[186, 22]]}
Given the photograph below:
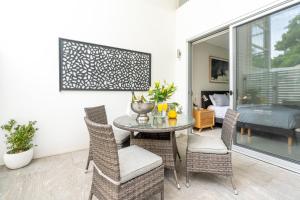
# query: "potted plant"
{"points": [[19, 143]]}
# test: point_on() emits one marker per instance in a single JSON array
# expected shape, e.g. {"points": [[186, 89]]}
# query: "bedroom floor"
{"points": [[274, 144]]}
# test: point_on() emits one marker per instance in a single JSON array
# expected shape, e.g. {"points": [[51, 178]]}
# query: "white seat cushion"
{"points": [[121, 135], [135, 161], [206, 144]]}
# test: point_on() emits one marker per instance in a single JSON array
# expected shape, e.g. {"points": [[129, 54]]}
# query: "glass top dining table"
{"points": [[158, 129], [154, 124]]}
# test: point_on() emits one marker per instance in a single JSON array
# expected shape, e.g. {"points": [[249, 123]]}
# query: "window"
{"points": [[268, 83]]}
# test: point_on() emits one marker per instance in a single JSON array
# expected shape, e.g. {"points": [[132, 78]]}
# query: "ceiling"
{"points": [[220, 41]]}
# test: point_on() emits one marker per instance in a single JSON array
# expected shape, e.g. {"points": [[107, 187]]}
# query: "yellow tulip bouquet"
{"points": [[160, 93]]}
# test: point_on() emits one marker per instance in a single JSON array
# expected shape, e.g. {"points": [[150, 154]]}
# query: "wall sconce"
{"points": [[178, 53]]}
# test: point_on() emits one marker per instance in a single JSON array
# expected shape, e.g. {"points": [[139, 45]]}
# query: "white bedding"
{"points": [[220, 111]]}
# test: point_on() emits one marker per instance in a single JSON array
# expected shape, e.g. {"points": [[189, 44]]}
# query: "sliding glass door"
{"points": [[266, 55]]}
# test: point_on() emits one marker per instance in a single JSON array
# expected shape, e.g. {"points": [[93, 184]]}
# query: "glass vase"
{"points": [[160, 110]]}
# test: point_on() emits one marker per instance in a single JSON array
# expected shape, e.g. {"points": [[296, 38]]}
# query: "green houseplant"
{"points": [[19, 143]]}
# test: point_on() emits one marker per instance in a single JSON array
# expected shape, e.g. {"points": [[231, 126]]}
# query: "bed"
{"points": [[220, 111], [207, 104], [279, 116], [275, 119]]}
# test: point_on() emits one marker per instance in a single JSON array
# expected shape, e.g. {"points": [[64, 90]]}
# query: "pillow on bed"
{"points": [[211, 97], [221, 99]]}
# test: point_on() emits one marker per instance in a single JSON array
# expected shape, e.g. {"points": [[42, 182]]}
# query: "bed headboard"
{"points": [[205, 104]]}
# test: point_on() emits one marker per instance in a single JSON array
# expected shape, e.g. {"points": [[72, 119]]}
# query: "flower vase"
{"points": [[160, 110], [155, 113]]}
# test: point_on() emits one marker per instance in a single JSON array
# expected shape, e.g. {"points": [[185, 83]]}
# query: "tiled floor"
{"points": [[62, 177]]}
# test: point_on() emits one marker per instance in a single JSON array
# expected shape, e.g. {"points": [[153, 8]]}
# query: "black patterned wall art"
{"points": [[86, 66]]}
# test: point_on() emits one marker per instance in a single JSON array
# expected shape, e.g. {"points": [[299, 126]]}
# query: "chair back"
{"points": [[96, 114], [229, 127], [104, 149]]}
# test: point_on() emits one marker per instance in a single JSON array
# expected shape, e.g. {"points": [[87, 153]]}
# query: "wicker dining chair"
{"points": [[98, 114], [212, 154], [128, 173]]}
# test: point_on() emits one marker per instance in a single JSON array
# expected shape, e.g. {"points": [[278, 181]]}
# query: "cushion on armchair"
{"points": [[135, 161], [206, 144]]}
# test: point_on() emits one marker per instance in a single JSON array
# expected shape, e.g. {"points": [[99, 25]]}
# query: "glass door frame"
{"points": [[232, 84]]}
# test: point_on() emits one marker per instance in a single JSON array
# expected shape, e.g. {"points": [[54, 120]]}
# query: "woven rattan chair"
{"points": [[98, 115], [210, 154], [129, 173]]}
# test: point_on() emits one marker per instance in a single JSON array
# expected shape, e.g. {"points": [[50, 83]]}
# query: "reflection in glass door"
{"points": [[268, 84]]}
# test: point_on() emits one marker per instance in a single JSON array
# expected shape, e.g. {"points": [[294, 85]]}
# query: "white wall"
{"points": [[197, 17], [29, 72], [200, 68]]}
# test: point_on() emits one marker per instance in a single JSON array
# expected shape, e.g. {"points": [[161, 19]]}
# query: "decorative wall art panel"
{"points": [[85, 66]]}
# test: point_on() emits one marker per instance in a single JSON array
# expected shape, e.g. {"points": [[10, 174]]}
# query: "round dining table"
{"points": [[157, 135]]}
